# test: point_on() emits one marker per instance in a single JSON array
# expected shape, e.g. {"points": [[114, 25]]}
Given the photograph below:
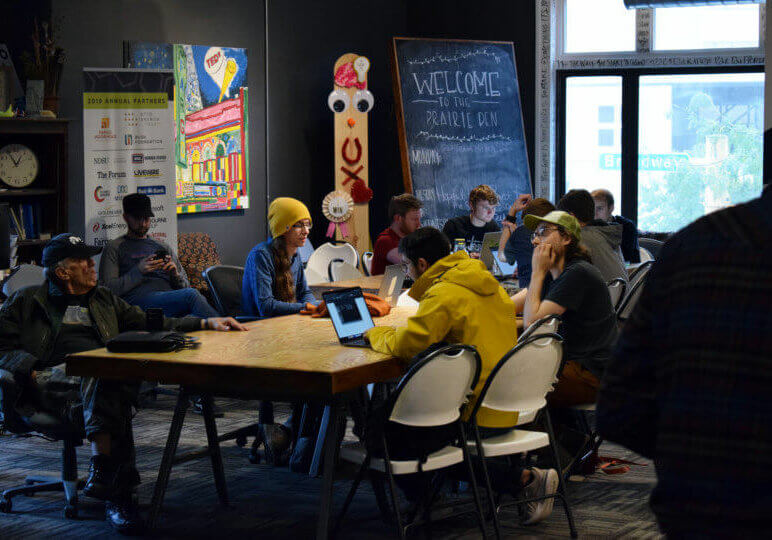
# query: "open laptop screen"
{"points": [[505, 268], [348, 312]]}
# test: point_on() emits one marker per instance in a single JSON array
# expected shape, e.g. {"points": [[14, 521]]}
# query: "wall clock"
{"points": [[19, 165]]}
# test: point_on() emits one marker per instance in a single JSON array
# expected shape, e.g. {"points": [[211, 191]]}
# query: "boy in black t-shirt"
{"points": [[565, 283], [472, 228]]}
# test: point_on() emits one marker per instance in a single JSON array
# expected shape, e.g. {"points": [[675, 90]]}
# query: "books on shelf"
{"points": [[25, 220]]}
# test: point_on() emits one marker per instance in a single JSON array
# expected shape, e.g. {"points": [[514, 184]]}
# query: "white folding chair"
{"points": [[406, 300], [317, 267], [645, 254], [545, 325], [342, 271], [431, 394], [367, 263], [616, 290], [520, 382]]}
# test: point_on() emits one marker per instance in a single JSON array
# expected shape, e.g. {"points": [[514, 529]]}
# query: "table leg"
{"points": [[207, 406], [324, 426], [168, 457], [333, 426]]}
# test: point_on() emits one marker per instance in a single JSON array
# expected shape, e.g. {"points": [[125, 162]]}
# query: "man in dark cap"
{"points": [[145, 271], [68, 313]]}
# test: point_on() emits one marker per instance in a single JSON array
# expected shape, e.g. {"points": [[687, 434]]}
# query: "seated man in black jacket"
{"points": [[39, 326]]}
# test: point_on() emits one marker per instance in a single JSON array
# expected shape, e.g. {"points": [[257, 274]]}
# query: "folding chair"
{"points": [[520, 382], [429, 395]]}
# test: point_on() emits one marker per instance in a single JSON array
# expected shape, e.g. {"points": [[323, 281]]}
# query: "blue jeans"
{"points": [[178, 303]]}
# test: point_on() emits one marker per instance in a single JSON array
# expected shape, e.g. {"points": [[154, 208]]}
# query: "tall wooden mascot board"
{"points": [[350, 101]]}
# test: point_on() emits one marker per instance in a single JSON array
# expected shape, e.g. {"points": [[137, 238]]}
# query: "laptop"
{"points": [[391, 284], [490, 257], [349, 315]]}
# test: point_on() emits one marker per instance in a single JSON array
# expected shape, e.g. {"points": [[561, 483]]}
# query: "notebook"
{"points": [[349, 315], [391, 284]]}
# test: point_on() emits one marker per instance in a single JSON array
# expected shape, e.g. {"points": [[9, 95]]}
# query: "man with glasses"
{"points": [[565, 283], [145, 271], [472, 227]]}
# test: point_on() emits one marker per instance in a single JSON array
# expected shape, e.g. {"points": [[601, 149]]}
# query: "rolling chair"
{"points": [[52, 428], [225, 283]]}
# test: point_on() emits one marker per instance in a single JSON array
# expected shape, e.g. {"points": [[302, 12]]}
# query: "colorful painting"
{"points": [[211, 127]]}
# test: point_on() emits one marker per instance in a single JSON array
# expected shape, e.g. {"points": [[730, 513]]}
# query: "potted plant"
{"points": [[45, 62]]}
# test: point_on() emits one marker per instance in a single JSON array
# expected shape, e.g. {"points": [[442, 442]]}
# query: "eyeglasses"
{"points": [[300, 226], [541, 232]]}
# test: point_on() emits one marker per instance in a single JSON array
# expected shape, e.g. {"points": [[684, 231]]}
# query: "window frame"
{"points": [[629, 118], [645, 19]]}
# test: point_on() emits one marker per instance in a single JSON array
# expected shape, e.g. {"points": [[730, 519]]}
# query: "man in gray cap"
{"points": [[69, 313], [145, 271]]}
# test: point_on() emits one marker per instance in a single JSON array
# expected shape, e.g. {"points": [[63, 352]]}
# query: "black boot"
{"points": [[101, 477], [124, 517]]}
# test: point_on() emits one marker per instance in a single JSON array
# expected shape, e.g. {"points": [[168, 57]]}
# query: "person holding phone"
{"points": [[144, 271]]}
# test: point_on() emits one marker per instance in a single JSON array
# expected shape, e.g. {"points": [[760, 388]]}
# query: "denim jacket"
{"points": [[257, 295]]}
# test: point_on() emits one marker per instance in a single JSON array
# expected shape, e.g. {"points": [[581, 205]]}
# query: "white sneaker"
{"points": [[543, 482]]}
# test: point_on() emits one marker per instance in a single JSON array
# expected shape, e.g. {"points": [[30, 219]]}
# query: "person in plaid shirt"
{"points": [[690, 383]]}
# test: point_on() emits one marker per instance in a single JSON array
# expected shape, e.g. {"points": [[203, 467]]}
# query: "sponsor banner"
{"points": [[128, 141]]}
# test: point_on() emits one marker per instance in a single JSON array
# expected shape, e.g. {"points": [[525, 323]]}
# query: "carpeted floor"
{"points": [[271, 502]]}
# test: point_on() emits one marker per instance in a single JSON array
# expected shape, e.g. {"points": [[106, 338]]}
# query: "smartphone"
{"points": [[154, 319], [161, 254]]}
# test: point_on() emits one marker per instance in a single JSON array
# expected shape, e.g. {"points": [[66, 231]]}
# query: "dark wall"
{"points": [[494, 20], [305, 38], [92, 36]]}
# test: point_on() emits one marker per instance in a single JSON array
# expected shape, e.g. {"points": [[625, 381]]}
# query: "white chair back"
{"points": [[616, 290], [433, 391], [342, 271], [545, 325], [524, 376], [319, 261], [645, 254], [367, 262], [26, 275], [406, 300]]}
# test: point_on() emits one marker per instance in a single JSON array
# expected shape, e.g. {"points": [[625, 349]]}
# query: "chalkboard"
{"points": [[460, 123]]}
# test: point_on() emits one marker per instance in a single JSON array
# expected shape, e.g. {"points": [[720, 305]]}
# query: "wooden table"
{"points": [[367, 283], [284, 358]]}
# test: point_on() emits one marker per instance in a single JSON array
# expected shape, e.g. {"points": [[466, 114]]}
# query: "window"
{"points": [[598, 26], [684, 142], [593, 134], [706, 27], [699, 145]]}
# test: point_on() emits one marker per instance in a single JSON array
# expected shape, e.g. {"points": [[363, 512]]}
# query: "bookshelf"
{"points": [[47, 138]]}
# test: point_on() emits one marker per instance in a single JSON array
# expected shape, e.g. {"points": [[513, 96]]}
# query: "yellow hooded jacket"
{"points": [[459, 302]]}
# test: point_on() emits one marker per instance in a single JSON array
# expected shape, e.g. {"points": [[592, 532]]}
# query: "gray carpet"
{"points": [[271, 502]]}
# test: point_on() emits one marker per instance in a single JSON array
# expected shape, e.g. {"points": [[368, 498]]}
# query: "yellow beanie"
{"points": [[283, 213]]}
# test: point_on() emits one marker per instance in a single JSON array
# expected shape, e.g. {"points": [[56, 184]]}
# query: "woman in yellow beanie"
{"points": [[275, 284]]}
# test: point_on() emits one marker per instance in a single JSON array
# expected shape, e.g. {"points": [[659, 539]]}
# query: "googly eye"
{"points": [[338, 101], [364, 100]]}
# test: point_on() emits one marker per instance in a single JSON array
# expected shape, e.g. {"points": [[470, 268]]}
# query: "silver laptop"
{"points": [[391, 284], [349, 315]]}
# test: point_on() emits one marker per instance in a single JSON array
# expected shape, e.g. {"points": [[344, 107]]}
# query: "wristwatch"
{"points": [[511, 219]]}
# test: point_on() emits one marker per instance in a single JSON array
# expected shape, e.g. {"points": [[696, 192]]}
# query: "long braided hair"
{"points": [[284, 284]]}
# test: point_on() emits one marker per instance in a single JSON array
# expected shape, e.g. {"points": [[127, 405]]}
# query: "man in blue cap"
{"points": [[69, 313]]}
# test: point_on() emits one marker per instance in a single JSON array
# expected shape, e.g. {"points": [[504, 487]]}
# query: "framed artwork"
{"points": [[211, 128]]}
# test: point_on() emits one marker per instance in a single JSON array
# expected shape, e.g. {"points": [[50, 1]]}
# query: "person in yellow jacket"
{"points": [[461, 302]]}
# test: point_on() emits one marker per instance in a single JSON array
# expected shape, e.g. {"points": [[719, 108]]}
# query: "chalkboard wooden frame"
{"points": [[400, 111]]}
